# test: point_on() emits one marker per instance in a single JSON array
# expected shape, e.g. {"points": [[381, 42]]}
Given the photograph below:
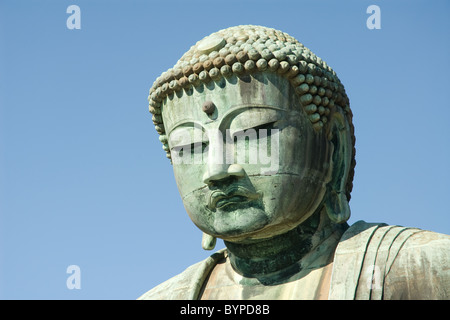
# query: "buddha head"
{"points": [[259, 132]]}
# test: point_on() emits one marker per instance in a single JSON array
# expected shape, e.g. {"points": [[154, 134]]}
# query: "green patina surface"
{"points": [[260, 135]]}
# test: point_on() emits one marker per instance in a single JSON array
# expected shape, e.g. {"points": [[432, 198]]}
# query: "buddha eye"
{"points": [[177, 151], [199, 147], [192, 148], [257, 132], [267, 127]]}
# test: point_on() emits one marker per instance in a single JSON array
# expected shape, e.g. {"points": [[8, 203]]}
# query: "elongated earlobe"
{"points": [[336, 202], [208, 242], [337, 206]]}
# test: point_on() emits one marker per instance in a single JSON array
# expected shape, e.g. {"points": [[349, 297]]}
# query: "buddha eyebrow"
{"points": [[243, 107], [188, 124], [239, 108]]}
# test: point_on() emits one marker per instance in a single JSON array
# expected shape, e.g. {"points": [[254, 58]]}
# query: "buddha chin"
{"points": [[228, 217], [237, 219]]}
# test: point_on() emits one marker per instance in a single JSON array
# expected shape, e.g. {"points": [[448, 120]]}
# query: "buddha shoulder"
{"points": [[186, 285], [421, 269], [379, 261]]}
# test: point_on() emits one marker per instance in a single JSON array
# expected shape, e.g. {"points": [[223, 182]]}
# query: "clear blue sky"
{"points": [[84, 180]]}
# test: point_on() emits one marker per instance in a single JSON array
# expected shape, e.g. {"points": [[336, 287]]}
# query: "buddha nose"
{"points": [[218, 167], [217, 172]]}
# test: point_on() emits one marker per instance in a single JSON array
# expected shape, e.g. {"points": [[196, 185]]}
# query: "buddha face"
{"points": [[247, 162]]}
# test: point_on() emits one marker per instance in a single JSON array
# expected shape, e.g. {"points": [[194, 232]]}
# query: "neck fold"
{"points": [[280, 254]]}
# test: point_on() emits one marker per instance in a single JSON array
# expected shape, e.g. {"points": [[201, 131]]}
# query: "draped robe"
{"points": [[369, 261]]}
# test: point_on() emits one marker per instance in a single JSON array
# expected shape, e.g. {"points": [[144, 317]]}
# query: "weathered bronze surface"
{"points": [[259, 131]]}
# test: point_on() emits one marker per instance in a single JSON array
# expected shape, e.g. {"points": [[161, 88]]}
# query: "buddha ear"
{"points": [[336, 202], [208, 242]]}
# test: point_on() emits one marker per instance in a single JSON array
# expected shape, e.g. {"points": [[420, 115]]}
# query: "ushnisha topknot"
{"points": [[249, 49]]}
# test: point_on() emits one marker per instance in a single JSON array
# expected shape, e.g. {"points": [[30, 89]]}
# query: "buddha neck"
{"points": [[279, 255]]}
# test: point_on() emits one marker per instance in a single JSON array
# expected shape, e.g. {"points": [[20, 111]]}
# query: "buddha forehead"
{"points": [[265, 91]]}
